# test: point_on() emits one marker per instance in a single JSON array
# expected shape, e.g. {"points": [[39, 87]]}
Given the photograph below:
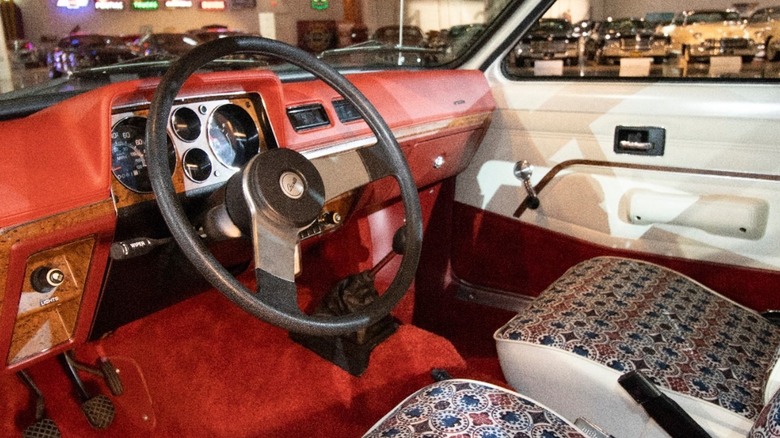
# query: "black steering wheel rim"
{"points": [[193, 246]]}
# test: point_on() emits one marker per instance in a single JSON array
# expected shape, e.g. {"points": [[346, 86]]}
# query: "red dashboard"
{"points": [[65, 197]]}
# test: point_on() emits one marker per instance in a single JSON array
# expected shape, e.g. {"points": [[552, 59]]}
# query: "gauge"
{"points": [[186, 124], [233, 135], [197, 165], [128, 154]]}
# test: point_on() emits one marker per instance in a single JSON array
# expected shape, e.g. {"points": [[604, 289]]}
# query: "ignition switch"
{"points": [[330, 218]]}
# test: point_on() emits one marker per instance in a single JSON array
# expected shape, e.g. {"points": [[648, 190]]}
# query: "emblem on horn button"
{"points": [[292, 184]]}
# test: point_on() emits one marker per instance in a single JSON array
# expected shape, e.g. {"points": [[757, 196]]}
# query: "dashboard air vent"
{"points": [[307, 117], [346, 111]]}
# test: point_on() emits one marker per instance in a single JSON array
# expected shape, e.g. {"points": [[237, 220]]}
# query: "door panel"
{"points": [[708, 205]]}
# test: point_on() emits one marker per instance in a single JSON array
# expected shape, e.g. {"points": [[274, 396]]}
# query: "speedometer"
{"points": [[128, 154]]}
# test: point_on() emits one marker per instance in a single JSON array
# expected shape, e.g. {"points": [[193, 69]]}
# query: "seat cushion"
{"points": [[628, 314], [467, 408]]}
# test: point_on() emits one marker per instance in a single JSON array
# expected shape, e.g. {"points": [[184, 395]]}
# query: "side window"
{"points": [[616, 39]]}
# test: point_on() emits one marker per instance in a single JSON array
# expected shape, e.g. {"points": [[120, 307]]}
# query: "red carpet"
{"points": [[206, 368]]}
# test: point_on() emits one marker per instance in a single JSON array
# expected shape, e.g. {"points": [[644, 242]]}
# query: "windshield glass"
{"points": [[70, 45]]}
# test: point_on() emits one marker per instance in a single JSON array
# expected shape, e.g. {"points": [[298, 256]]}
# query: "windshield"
{"points": [[66, 46]]}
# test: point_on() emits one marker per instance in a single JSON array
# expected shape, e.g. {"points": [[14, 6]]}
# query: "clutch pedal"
{"points": [[44, 427]]}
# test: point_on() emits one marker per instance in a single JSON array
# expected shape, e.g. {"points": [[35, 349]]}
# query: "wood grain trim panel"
{"points": [[48, 319], [18, 246], [124, 197]]}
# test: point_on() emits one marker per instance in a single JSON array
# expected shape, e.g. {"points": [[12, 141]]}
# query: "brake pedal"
{"points": [[43, 427], [99, 409]]}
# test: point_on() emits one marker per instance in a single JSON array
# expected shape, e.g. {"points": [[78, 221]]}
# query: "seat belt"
{"points": [[665, 411]]}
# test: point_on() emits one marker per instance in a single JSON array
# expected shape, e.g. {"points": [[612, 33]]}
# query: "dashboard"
{"points": [[71, 200]]}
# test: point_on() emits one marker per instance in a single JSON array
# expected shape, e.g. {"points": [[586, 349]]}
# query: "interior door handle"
{"points": [[640, 140], [636, 145]]}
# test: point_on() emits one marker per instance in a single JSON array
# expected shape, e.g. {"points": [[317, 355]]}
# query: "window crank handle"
{"points": [[523, 171]]}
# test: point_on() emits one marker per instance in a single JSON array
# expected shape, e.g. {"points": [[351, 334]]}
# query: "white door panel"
{"points": [[714, 194]]}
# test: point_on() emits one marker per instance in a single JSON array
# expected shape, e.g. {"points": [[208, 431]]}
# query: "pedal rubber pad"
{"points": [[44, 428], [99, 411]]}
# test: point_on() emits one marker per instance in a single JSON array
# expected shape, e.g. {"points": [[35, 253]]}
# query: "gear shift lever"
{"points": [[523, 171]]}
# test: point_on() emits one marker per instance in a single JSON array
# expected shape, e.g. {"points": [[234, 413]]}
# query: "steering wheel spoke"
{"points": [[274, 249], [376, 161], [278, 293], [351, 169]]}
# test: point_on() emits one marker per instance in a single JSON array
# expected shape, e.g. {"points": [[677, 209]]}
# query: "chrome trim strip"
{"points": [[402, 134]]}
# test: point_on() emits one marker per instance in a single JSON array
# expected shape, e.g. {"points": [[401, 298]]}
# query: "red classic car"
{"points": [[209, 247]]}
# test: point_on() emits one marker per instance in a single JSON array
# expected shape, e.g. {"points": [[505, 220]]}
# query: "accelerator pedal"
{"points": [[105, 369], [111, 375], [43, 427]]}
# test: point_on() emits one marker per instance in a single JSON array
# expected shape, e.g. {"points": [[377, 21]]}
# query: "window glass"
{"points": [[592, 39], [71, 46]]}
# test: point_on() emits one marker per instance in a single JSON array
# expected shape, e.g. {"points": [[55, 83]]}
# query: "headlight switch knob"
{"points": [[45, 279]]}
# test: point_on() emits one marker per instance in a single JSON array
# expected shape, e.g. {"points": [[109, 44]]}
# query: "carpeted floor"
{"points": [[206, 368]]}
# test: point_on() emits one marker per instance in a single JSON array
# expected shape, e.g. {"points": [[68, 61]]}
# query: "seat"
{"points": [[607, 316], [468, 408]]}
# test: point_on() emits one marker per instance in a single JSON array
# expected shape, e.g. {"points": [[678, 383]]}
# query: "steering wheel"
{"points": [[279, 192]]}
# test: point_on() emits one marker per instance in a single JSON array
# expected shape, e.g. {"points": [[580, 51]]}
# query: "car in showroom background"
{"points": [[764, 27], [617, 38], [549, 38], [703, 34]]}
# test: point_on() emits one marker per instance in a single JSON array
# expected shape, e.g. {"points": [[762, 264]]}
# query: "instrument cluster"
{"points": [[209, 140]]}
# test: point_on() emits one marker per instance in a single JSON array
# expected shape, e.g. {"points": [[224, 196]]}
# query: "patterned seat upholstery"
{"points": [[767, 424], [466, 408], [607, 316]]}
